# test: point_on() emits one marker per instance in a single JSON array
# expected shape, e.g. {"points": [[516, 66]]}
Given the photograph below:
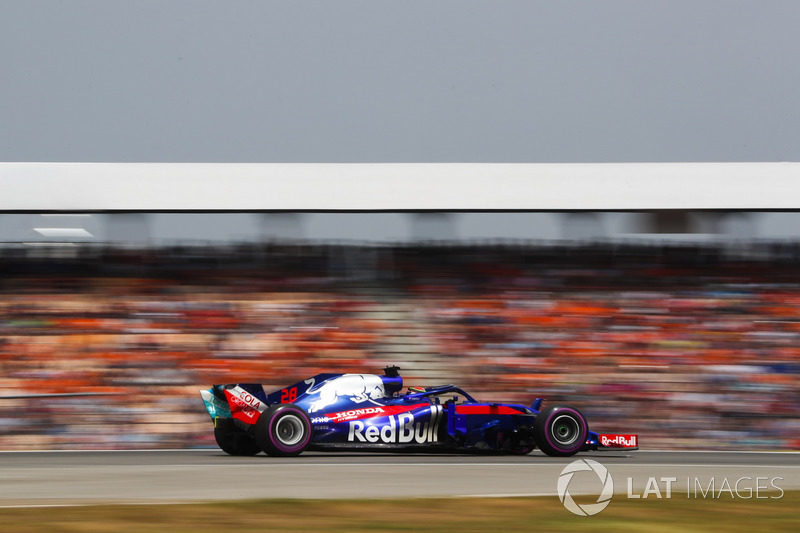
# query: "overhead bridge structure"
{"points": [[395, 202]]}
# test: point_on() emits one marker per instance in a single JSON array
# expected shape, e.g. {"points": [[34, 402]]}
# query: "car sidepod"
{"points": [[390, 425], [505, 428]]}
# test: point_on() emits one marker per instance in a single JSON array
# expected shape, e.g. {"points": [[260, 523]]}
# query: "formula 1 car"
{"points": [[368, 412]]}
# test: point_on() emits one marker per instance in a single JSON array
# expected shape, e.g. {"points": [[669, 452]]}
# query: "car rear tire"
{"points": [[560, 430], [233, 440], [283, 430]]}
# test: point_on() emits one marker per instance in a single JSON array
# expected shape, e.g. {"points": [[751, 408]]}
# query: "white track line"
{"points": [[206, 450], [715, 451], [378, 465], [94, 504], [598, 453]]}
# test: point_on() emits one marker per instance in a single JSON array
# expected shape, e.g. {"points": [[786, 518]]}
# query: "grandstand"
{"points": [[684, 339]]}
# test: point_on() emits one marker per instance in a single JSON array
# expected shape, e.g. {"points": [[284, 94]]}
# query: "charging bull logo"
{"points": [[357, 387], [402, 428]]}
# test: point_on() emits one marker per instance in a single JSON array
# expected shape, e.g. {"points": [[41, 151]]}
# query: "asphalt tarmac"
{"points": [[167, 476]]}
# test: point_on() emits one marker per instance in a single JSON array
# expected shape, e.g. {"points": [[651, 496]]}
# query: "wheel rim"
{"points": [[565, 430], [289, 430]]}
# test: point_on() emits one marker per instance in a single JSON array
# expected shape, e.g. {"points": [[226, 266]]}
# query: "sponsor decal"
{"points": [[244, 406], [372, 412], [619, 441], [249, 399], [401, 428], [354, 414], [358, 388], [215, 406], [320, 420]]}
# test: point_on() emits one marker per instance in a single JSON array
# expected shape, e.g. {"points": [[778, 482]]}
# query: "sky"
{"points": [[411, 81], [332, 81]]}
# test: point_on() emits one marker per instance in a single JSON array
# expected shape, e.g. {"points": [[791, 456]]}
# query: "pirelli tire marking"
{"points": [[403, 428]]}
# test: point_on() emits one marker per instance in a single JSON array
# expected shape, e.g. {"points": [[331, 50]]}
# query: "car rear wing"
{"points": [[240, 401]]}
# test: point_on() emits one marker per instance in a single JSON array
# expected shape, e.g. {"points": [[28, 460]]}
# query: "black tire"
{"points": [[233, 440], [560, 430], [283, 430]]}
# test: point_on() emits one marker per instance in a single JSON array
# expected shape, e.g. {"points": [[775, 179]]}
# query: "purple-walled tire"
{"points": [[560, 430], [283, 430]]}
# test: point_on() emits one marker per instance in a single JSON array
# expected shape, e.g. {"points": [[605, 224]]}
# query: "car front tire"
{"points": [[560, 430]]}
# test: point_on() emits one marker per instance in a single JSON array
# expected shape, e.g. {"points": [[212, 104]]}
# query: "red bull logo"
{"points": [[402, 428], [619, 441]]}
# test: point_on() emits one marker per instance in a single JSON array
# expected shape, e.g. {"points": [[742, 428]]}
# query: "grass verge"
{"points": [[678, 514]]}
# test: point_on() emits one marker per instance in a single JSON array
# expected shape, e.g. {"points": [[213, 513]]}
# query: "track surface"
{"points": [[68, 478]]}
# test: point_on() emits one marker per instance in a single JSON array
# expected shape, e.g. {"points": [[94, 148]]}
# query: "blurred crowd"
{"points": [[688, 346]]}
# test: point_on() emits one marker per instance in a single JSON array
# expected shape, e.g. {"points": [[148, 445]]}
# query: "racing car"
{"points": [[369, 412]]}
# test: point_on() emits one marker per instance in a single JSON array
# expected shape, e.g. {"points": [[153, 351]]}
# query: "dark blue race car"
{"points": [[370, 412]]}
